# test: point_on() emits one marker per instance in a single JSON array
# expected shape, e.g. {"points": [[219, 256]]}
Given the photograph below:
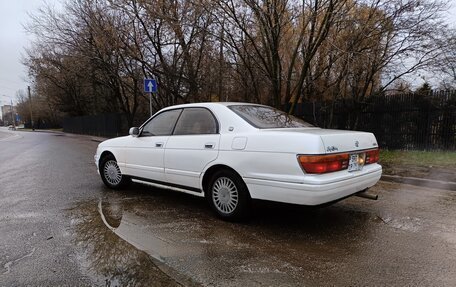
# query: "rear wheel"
{"points": [[111, 174], [228, 195]]}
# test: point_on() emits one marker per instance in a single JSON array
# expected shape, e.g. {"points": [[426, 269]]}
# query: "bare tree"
{"points": [[92, 57], [446, 68]]}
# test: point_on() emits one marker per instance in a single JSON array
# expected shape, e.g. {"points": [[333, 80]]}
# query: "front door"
{"points": [[145, 154]]}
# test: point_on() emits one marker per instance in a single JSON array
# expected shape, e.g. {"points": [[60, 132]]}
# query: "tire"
{"points": [[228, 195], [110, 173]]}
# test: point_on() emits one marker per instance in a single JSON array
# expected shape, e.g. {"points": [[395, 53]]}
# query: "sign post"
{"points": [[150, 86]]}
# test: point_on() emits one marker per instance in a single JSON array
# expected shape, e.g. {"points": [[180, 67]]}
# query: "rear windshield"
{"points": [[264, 117]]}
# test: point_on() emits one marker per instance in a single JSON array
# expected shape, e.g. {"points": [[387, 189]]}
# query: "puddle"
{"points": [[139, 240], [135, 238]]}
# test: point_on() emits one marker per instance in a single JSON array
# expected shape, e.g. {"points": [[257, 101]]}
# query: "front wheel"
{"points": [[228, 195], [111, 174]]}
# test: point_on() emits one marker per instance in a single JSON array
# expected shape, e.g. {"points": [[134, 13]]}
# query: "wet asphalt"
{"points": [[59, 225]]}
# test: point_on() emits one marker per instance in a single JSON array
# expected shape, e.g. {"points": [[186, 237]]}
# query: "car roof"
{"points": [[211, 104]]}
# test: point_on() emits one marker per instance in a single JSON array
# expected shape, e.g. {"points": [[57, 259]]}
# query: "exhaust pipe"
{"points": [[365, 194]]}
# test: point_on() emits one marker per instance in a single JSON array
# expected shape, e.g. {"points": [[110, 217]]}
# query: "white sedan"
{"points": [[234, 152]]}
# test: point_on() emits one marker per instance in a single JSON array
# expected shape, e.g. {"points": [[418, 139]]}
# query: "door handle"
{"points": [[209, 145], [158, 144]]}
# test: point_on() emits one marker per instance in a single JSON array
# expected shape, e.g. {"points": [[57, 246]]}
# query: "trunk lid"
{"points": [[336, 141]]}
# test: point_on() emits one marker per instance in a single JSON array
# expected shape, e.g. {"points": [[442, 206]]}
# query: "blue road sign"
{"points": [[150, 85]]}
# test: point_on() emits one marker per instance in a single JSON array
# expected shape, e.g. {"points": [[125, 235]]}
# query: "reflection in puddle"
{"points": [[112, 260], [131, 228]]}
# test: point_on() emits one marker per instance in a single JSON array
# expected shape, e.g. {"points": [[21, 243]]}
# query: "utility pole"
{"points": [[31, 109]]}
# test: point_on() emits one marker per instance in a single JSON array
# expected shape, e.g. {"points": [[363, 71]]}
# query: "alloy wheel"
{"points": [[111, 172], [225, 195]]}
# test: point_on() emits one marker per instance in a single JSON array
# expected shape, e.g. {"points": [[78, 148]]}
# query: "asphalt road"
{"points": [[59, 225]]}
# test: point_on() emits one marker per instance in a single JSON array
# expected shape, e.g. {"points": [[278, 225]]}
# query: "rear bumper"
{"points": [[312, 194]]}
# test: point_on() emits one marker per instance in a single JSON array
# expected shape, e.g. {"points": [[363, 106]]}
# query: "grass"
{"points": [[418, 158]]}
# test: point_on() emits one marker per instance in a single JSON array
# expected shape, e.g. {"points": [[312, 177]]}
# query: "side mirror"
{"points": [[134, 131]]}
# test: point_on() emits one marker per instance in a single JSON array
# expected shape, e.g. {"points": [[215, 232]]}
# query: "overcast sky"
{"points": [[13, 14], [13, 40]]}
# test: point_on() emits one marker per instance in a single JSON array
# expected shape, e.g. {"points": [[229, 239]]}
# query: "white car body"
{"points": [[265, 159]]}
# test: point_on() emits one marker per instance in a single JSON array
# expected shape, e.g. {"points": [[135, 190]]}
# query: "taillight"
{"points": [[323, 163], [372, 156]]}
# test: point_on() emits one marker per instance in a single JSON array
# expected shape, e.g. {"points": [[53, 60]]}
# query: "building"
{"points": [[7, 116]]}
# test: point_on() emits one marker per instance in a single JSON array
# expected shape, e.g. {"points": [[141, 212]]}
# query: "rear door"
{"points": [[194, 144]]}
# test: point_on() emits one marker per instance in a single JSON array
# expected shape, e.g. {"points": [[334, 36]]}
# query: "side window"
{"points": [[196, 121], [162, 124]]}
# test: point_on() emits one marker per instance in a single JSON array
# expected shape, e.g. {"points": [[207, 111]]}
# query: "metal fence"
{"points": [[407, 121], [105, 125]]}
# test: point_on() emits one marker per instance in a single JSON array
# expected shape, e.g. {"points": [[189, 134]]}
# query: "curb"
{"points": [[438, 184], [97, 139], [92, 138]]}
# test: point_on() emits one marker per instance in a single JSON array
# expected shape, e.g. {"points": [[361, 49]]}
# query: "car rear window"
{"points": [[264, 117]]}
